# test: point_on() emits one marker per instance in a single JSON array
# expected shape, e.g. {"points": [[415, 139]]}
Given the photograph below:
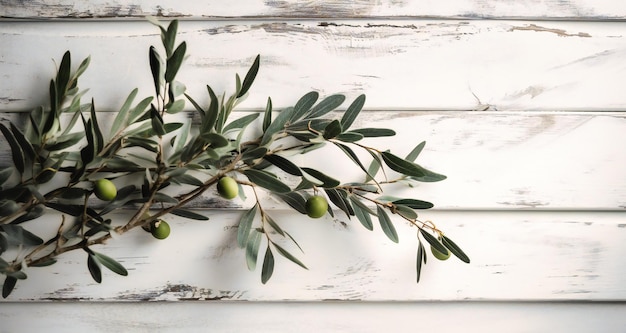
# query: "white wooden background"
{"points": [[521, 103]]}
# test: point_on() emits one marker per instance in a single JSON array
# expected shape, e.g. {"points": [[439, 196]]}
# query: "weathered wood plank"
{"points": [[515, 256], [493, 160], [550, 9], [406, 64], [315, 317]]}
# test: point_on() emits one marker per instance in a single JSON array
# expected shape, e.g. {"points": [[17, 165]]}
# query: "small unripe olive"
{"points": [[227, 188], [105, 189], [316, 206], [439, 255], [160, 229]]}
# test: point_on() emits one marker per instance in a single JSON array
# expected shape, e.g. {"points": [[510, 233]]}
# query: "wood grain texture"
{"points": [[545, 255], [400, 65], [523, 110], [545, 9], [493, 159], [314, 317]]}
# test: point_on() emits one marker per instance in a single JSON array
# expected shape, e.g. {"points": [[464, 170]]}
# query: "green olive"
{"points": [[227, 188], [160, 229], [439, 255], [316, 206], [105, 189]]}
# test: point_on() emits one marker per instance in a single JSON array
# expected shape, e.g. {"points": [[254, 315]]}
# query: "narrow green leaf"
{"points": [[82, 67], [354, 158], [54, 105], [332, 129], [325, 106], [5, 174], [349, 136], [374, 132], [252, 249], [327, 181], [406, 212], [212, 114], [241, 122], [144, 143], [250, 76], [189, 214], [267, 116], [45, 263], [111, 264], [414, 203], [196, 106], [432, 240], [63, 75], [361, 214], [352, 112], [339, 198], [274, 225], [16, 150], [188, 179], [455, 249], [27, 148], [4, 245], [157, 122], [174, 62], [253, 154], [412, 156], [65, 141], [21, 235], [135, 115], [214, 140], [245, 225], [289, 256], [283, 164], [402, 166], [169, 37], [7, 287], [121, 119], [155, 68], [303, 105], [276, 126], [421, 259], [175, 107], [268, 265], [94, 267], [295, 200], [374, 167], [386, 225], [266, 180]]}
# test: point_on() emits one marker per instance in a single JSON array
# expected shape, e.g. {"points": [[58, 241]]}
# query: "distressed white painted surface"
{"points": [[569, 9], [407, 64], [530, 256], [316, 317], [535, 197]]}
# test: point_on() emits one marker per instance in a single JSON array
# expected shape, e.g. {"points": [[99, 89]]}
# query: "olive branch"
{"points": [[147, 148]]}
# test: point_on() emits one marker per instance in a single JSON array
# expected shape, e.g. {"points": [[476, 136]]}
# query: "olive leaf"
{"points": [[455, 249], [250, 76], [352, 112], [325, 106], [434, 242], [386, 225], [266, 180], [268, 265], [252, 249], [245, 225], [110, 263]]}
